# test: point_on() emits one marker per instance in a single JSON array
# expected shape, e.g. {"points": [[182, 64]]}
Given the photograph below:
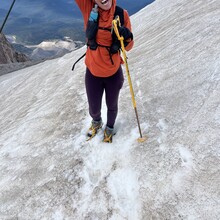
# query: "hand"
{"points": [[125, 32]]}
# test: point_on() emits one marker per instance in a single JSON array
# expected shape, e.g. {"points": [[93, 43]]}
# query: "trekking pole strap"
{"points": [[78, 61]]}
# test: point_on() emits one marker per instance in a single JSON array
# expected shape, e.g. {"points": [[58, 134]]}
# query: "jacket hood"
{"points": [[108, 16]]}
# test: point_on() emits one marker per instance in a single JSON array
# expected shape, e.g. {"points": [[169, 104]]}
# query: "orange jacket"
{"points": [[98, 61]]}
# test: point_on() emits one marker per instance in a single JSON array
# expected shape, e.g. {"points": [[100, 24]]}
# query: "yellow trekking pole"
{"points": [[115, 24]]}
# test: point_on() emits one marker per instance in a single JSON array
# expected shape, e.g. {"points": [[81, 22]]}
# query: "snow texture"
{"points": [[49, 171]]}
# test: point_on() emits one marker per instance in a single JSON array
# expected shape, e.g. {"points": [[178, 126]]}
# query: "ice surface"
{"points": [[49, 171]]}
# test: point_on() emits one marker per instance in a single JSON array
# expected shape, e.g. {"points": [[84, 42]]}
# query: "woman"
{"points": [[103, 62]]}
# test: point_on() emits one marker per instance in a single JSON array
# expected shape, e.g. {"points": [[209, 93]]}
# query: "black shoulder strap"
{"points": [[120, 12]]}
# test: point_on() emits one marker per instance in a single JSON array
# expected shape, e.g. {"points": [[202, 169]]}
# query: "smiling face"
{"points": [[104, 4]]}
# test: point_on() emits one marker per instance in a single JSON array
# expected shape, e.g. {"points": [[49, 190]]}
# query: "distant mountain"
{"points": [[51, 49], [38, 20], [33, 22]]}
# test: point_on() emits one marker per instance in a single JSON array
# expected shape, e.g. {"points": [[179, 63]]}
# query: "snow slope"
{"points": [[49, 171]]}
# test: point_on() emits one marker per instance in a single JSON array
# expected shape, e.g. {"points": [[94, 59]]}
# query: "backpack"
{"points": [[91, 31], [93, 27]]}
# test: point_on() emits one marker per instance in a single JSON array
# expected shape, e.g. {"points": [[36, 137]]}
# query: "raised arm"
{"points": [[85, 7]]}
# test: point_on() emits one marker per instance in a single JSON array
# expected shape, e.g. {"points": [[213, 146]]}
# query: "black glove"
{"points": [[116, 45], [125, 32]]}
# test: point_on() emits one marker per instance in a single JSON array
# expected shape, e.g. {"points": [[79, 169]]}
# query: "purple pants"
{"points": [[95, 86]]}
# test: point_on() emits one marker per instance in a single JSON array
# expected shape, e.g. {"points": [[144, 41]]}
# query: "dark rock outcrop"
{"points": [[8, 53]]}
